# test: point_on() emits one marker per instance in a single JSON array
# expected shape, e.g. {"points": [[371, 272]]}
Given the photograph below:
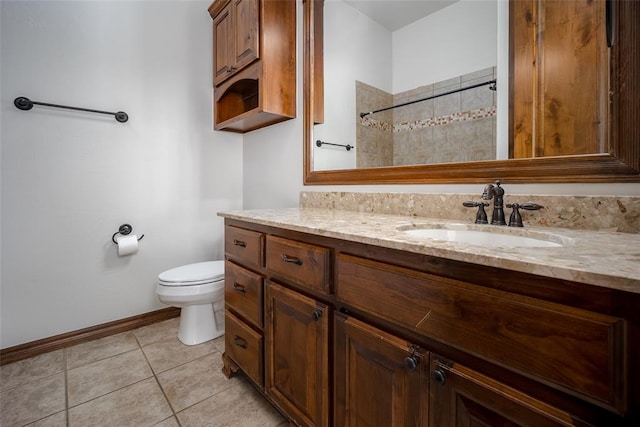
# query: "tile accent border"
{"points": [[610, 213], [56, 342], [463, 116]]}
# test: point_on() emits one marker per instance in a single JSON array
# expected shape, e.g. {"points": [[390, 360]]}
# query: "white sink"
{"points": [[483, 238]]}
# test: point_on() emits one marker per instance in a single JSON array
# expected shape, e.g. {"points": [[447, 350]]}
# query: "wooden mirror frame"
{"points": [[621, 164]]}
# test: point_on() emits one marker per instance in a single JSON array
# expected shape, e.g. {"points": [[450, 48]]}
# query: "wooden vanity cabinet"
{"points": [[361, 335], [254, 63]]}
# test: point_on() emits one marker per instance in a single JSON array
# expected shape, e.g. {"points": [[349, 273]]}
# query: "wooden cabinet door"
{"points": [[462, 397], [236, 38], [297, 355], [380, 380], [247, 25], [223, 50]]}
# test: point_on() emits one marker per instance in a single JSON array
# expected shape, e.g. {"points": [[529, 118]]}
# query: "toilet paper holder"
{"points": [[124, 229]]}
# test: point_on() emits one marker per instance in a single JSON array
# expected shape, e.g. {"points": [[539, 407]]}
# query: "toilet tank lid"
{"points": [[209, 270]]}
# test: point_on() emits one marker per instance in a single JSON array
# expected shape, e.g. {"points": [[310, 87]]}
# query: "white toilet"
{"points": [[198, 289]]}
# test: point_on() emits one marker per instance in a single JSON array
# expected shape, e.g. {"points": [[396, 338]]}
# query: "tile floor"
{"points": [[145, 377]]}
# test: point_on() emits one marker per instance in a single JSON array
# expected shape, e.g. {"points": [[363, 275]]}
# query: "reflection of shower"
{"points": [[493, 86]]}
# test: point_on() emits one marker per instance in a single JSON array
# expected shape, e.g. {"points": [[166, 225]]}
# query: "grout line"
{"points": [[66, 387]]}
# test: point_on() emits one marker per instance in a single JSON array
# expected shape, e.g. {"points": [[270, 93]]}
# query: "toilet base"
{"points": [[198, 324]]}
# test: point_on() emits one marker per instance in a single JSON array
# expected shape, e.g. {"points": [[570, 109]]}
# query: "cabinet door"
{"points": [[236, 38], [223, 50], [380, 380], [296, 355], [247, 41], [462, 397]]}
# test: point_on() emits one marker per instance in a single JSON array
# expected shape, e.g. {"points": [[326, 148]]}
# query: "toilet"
{"points": [[198, 289]]}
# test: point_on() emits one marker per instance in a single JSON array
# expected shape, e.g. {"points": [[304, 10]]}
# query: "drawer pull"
{"points": [[316, 314], [240, 342], [239, 288], [240, 243], [439, 376], [296, 261]]}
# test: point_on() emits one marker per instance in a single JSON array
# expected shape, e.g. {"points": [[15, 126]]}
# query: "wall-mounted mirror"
{"points": [[436, 65]]}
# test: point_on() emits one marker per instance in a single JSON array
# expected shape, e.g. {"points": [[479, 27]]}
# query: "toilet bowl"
{"points": [[198, 289]]}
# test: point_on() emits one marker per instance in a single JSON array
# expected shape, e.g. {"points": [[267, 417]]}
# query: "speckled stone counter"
{"points": [[601, 258]]}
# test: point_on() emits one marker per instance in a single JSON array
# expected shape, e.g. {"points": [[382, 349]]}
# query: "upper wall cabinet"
{"points": [[235, 37], [254, 63]]}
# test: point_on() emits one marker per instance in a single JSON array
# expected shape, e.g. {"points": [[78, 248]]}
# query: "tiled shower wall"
{"points": [[459, 127]]}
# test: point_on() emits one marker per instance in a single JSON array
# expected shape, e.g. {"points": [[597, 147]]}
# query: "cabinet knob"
{"points": [[316, 314], [411, 362], [439, 376]]}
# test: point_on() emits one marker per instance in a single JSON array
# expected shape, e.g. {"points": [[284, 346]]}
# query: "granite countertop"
{"points": [[600, 258]]}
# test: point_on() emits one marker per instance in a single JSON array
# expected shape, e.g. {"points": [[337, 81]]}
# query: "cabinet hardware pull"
{"points": [[296, 261], [411, 363], [316, 314], [240, 342], [239, 243], [239, 288], [439, 376]]}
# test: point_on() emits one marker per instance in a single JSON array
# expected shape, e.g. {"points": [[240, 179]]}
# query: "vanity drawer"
{"points": [[243, 292], [244, 346], [575, 350], [244, 245], [301, 263]]}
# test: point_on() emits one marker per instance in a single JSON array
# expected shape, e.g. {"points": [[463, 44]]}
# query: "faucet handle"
{"points": [[531, 206], [481, 216], [515, 220]]}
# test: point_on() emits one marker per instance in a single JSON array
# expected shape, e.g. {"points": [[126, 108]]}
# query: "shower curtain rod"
{"points": [[490, 82]]}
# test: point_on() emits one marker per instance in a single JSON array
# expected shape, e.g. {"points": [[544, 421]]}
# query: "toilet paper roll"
{"points": [[127, 245]]}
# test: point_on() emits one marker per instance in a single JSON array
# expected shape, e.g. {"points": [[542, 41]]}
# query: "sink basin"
{"points": [[483, 238]]}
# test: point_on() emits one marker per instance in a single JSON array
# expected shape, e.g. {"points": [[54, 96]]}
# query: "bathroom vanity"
{"points": [[343, 318]]}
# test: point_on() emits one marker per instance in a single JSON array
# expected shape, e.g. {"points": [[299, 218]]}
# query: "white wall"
{"points": [[361, 50], [456, 40], [69, 179]]}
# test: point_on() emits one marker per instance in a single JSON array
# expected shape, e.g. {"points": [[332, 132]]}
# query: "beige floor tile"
{"points": [[85, 353], [169, 422], [104, 376], [171, 352], [37, 367], [157, 332], [218, 343], [195, 381], [140, 404], [32, 401], [240, 405], [55, 420]]}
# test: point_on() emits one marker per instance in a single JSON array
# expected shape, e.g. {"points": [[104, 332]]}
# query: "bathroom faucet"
{"points": [[496, 193]]}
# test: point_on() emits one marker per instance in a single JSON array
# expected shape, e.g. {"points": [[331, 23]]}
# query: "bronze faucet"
{"points": [[496, 193]]}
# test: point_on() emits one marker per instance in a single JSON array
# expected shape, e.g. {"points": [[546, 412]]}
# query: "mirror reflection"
{"points": [[379, 54], [386, 53]]}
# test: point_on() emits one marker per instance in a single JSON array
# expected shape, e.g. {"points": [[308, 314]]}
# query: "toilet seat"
{"points": [[193, 274]]}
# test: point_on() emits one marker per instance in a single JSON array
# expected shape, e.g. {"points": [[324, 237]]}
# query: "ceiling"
{"points": [[395, 14]]}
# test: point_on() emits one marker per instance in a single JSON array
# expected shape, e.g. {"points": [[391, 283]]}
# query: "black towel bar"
{"points": [[24, 103]]}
